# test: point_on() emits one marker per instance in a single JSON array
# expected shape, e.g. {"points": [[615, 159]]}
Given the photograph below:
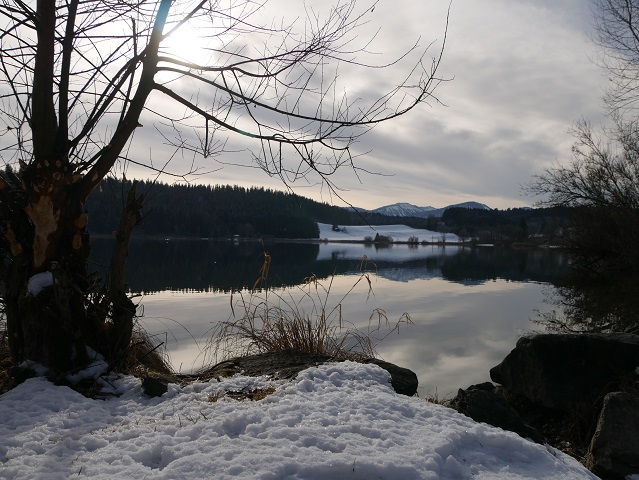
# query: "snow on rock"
{"points": [[336, 421], [92, 371], [399, 233], [39, 282]]}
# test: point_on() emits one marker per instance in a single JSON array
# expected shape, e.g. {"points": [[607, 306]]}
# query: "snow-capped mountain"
{"points": [[404, 210], [409, 210]]}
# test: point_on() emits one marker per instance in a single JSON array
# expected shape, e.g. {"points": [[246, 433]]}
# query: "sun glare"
{"points": [[188, 43]]}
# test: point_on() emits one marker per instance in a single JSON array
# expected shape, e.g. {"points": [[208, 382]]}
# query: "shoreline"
{"points": [[514, 245]]}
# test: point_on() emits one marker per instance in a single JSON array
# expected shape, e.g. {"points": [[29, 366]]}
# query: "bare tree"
{"points": [[617, 32], [601, 184], [77, 79]]}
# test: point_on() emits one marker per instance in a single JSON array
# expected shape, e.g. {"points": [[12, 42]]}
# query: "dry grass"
{"points": [[7, 382], [305, 318], [144, 356], [301, 318], [239, 395]]}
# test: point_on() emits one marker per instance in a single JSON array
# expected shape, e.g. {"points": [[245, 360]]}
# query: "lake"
{"points": [[468, 306]]}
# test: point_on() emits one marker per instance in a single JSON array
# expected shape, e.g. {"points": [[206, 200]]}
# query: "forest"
{"points": [[221, 211], [509, 225], [186, 210]]}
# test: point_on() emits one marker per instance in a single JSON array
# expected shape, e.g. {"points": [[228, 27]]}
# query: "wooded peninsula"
{"points": [[222, 211]]}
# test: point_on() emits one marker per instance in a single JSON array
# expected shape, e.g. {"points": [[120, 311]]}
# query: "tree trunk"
{"points": [[46, 284], [123, 307], [55, 315]]}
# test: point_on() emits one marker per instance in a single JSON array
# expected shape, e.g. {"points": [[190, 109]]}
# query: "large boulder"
{"points": [[403, 380], [614, 449], [484, 403], [560, 371]]}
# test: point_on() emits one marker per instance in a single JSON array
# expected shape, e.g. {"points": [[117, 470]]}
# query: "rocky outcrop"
{"points": [[285, 364], [484, 403], [403, 380], [614, 449], [560, 371], [288, 363], [588, 384]]}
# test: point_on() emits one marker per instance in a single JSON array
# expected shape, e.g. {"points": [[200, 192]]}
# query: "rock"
{"points": [[154, 386], [614, 449], [281, 364], [560, 371], [403, 380], [483, 403], [288, 363]]}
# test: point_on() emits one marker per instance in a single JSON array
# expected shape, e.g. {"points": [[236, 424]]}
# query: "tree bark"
{"points": [[123, 306], [46, 320], [54, 323]]}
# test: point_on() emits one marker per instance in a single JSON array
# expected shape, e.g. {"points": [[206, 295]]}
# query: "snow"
{"points": [[390, 253], [93, 370], [399, 233], [336, 421], [404, 210], [39, 282]]}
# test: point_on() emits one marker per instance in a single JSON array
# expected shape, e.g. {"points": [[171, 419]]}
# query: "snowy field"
{"points": [[337, 421], [399, 233]]}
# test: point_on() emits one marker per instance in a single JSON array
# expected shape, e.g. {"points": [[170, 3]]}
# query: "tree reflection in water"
{"points": [[587, 305], [207, 266]]}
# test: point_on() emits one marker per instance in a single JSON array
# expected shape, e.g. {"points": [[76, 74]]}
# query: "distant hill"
{"points": [[222, 211], [409, 210], [404, 210]]}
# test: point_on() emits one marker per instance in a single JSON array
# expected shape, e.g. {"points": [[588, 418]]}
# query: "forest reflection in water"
{"points": [[592, 305], [207, 266], [468, 306]]}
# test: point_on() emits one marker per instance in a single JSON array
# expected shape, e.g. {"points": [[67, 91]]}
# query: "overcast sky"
{"points": [[521, 73]]}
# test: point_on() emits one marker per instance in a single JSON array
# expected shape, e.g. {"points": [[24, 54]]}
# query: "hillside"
{"points": [[409, 210], [212, 211], [404, 210], [222, 211]]}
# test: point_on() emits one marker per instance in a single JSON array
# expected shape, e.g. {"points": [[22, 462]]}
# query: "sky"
{"points": [[335, 421], [519, 75]]}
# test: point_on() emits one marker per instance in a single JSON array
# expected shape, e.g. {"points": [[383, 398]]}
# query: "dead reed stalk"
{"points": [[303, 318]]}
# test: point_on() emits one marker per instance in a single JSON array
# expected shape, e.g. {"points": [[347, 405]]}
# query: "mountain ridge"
{"points": [[403, 209]]}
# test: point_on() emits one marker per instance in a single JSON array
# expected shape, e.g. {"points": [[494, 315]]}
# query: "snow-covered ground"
{"points": [[336, 421], [399, 233]]}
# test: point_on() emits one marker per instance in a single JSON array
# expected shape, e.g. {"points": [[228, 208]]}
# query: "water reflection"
{"points": [[459, 331], [593, 305], [205, 266], [468, 306]]}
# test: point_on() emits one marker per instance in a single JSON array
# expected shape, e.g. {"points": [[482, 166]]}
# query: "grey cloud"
{"points": [[522, 76]]}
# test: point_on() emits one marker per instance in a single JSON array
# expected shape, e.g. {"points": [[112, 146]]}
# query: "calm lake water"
{"points": [[468, 306]]}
